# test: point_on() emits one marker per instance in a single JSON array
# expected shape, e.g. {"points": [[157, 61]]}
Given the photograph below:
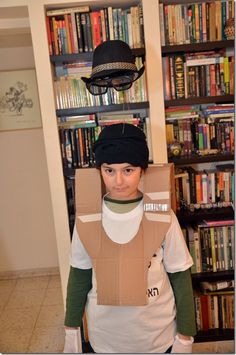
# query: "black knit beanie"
{"points": [[121, 143]]}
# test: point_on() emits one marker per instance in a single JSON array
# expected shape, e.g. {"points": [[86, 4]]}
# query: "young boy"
{"points": [[129, 261]]}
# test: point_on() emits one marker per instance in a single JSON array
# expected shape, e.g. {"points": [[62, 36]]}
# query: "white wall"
{"points": [[27, 235]]}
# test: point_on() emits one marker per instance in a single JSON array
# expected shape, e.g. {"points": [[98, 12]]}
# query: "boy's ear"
{"points": [[103, 186]]}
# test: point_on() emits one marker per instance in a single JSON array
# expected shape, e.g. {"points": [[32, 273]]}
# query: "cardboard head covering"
{"points": [[121, 143], [113, 58]]}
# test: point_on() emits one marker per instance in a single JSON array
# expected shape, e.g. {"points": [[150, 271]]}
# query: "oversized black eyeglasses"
{"points": [[120, 83]]}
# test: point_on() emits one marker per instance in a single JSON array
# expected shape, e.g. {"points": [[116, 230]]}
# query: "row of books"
{"points": [[76, 146], [210, 111], [78, 136], [194, 23], [82, 67], [211, 188], [214, 311], [211, 247], [70, 91], [194, 136], [78, 29], [202, 131], [203, 74]]}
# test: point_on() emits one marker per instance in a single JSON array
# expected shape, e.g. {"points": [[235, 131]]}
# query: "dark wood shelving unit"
{"points": [[197, 159], [195, 47], [103, 108], [200, 100], [186, 216], [214, 335], [86, 56]]}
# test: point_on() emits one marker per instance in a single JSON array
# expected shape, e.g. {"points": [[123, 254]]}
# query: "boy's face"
{"points": [[121, 180]]}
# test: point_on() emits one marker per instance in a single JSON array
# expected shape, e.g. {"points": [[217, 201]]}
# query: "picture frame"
{"points": [[19, 100]]}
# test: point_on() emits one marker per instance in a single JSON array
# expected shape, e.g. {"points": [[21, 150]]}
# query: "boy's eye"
{"points": [[109, 171], [129, 170]]}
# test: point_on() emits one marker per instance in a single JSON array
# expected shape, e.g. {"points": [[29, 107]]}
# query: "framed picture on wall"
{"points": [[19, 101]]}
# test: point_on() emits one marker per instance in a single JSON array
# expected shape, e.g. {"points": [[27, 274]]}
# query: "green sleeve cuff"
{"points": [[185, 314], [78, 287]]}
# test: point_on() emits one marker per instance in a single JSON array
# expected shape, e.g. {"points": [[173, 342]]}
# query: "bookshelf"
{"points": [[87, 56], [107, 108], [197, 100], [196, 47], [196, 159], [156, 106], [211, 214], [187, 43]]}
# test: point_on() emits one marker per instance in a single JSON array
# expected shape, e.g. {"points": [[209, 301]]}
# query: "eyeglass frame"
{"points": [[95, 83], [108, 84]]}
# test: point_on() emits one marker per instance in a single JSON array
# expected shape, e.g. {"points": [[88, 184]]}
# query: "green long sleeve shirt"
{"points": [[80, 283]]}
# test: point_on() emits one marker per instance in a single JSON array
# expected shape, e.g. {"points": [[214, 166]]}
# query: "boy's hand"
{"points": [[73, 342], [182, 344]]}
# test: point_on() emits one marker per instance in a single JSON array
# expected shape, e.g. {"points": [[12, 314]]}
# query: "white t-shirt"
{"points": [[135, 329]]}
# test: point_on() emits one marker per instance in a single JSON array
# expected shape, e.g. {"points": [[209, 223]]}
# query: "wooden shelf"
{"points": [[214, 335], [197, 159], [103, 108], [213, 276], [86, 56], [195, 47], [210, 214], [200, 100]]}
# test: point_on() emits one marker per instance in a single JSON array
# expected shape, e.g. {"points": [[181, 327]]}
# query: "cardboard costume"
{"points": [[121, 269]]}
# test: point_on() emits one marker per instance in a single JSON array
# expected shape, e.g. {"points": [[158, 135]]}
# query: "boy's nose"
{"points": [[119, 178]]}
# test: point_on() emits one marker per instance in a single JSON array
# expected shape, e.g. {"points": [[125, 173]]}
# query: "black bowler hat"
{"points": [[113, 58]]}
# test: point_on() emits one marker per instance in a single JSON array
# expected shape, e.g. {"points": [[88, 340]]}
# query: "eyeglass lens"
{"points": [[96, 90], [99, 86]]}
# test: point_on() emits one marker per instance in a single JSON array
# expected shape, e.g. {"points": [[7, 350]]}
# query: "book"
{"points": [[103, 25], [213, 249], [67, 10], [96, 28], [204, 312], [84, 30], [215, 223], [192, 182], [74, 33], [191, 246], [110, 23], [79, 32], [198, 312], [198, 184], [179, 76]]}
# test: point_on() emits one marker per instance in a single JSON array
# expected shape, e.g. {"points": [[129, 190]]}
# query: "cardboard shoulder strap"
{"points": [[157, 183], [88, 191]]}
